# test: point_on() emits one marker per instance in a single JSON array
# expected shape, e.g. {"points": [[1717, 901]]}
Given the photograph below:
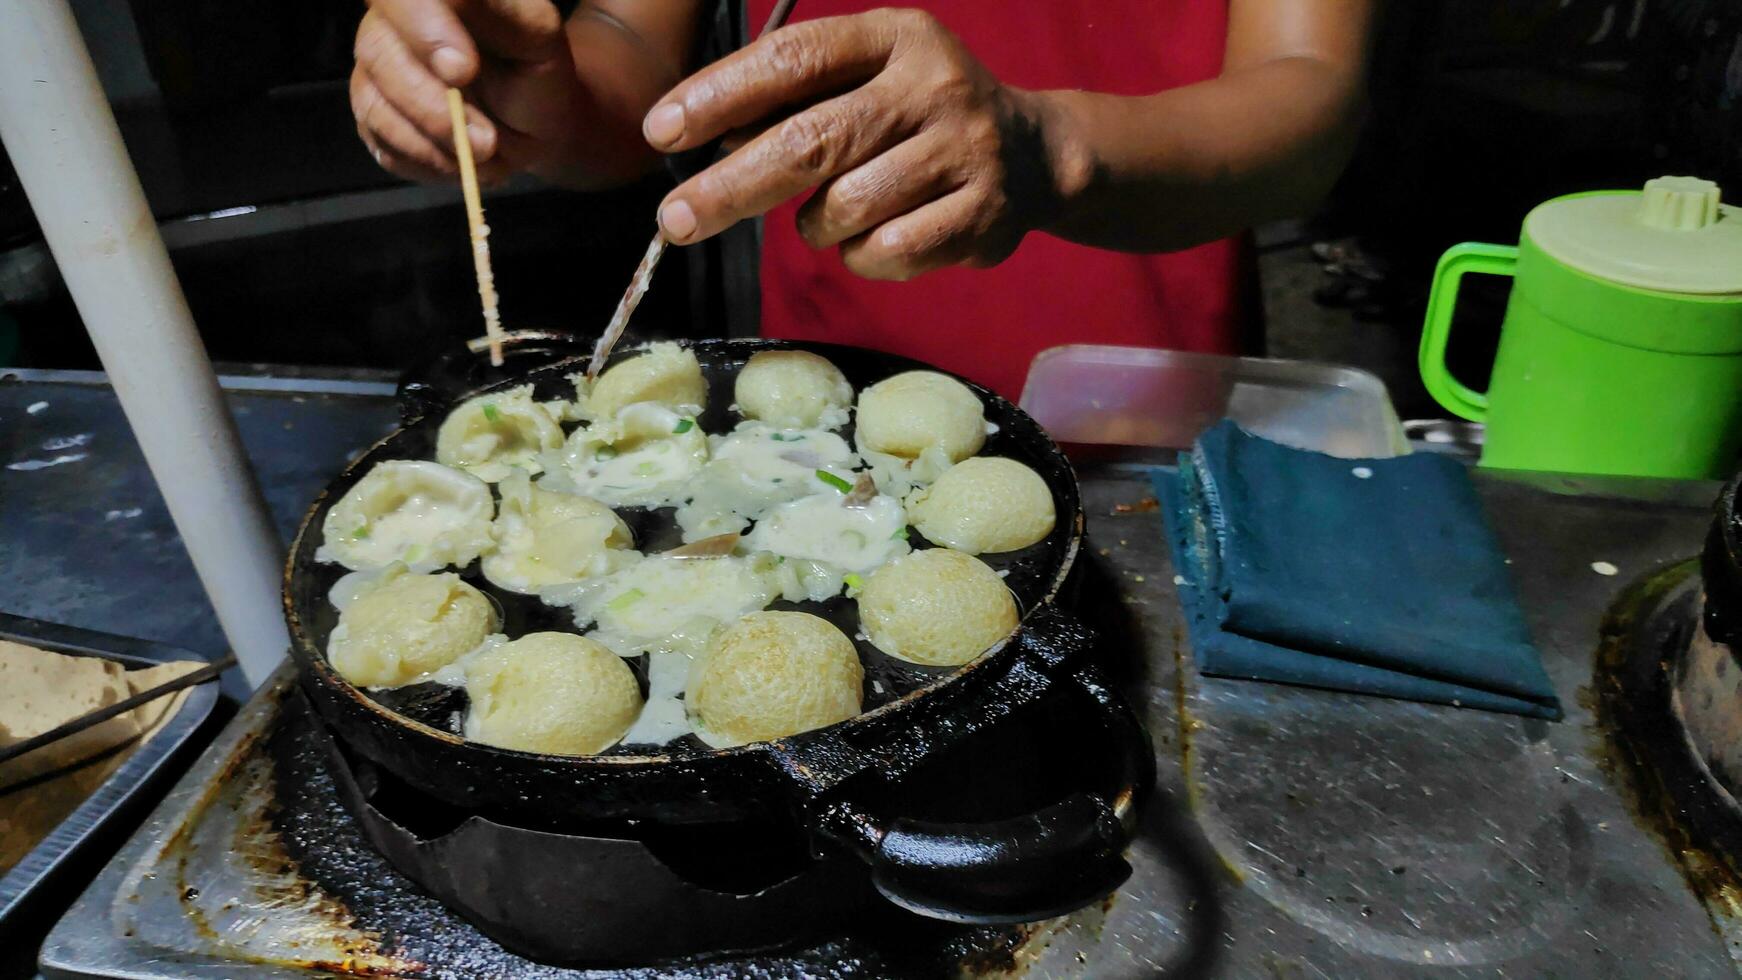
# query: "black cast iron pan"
{"points": [[1018, 869]]}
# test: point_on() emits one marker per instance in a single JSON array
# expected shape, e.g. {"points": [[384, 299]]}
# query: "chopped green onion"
{"points": [[780, 560], [649, 468], [834, 481], [777, 437], [605, 452], [624, 601], [900, 535], [854, 581], [683, 425], [491, 413], [779, 479], [361, 533]]}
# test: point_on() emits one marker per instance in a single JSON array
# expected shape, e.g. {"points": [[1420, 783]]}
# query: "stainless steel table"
{"points": [[85, 538], [1298, 833]]}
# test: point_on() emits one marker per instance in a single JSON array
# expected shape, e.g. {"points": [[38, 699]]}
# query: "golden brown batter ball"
{"points": [[773, 674], [985, 504], [555, 693], [408, 627], [793, 389], [905, 414], [667, 374], [937, 607]]}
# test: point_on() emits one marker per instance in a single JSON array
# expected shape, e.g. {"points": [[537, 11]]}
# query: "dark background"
{"points": [[294, 248]]}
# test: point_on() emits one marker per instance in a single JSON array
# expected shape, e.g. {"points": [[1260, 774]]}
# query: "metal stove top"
{"points": [[222, 880], [1297, 833]]}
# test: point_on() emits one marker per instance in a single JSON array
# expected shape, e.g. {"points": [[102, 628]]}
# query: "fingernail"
{"points": [[483, 140], [678, 220], [664, 125], [450, 65]]}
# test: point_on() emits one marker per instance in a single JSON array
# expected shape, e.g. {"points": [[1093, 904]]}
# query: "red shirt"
{"points": [[988, 324]]}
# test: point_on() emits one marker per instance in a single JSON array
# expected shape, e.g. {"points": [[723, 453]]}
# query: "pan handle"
{"points": [[1021, 869]]}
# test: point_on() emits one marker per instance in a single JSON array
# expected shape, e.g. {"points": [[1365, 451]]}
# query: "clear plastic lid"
{"points": [[1086, 394], [1673, 237]]}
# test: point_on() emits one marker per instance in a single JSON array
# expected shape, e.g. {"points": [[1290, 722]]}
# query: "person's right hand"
{"points": [[510, 57]]}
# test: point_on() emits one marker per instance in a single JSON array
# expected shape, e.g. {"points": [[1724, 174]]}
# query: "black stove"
{"points": [[629, 895]]}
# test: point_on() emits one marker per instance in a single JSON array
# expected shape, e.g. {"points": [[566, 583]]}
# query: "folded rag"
{"points": [[1376, 576]]}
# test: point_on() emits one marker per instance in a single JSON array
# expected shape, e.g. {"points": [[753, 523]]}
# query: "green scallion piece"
{"points": [[361, 533], [682, 426], [900, 535], [834, 481], [491, 413], [627, 599], [647, 469], [854, 581], [605, 452]]}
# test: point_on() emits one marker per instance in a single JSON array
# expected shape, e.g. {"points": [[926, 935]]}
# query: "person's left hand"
{"points": [[923, 158]]}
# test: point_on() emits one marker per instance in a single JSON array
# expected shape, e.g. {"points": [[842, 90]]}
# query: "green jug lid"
{"points": [[1673, 237]]}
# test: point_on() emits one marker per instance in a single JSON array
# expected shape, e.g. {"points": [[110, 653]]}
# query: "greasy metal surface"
{"points": [[205, 886], [1352, 837], [91, 821], [686, 780], [88, 540], [1353, 820], [1652, 640], [239, 874], [1378, 837]]}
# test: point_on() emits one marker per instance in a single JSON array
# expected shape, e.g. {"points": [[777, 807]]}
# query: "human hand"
{"points": [[510, 56], [924, 159]]}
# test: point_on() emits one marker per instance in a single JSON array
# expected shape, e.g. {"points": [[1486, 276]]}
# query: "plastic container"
{"points": [[1621, 350], [1088, 395]]}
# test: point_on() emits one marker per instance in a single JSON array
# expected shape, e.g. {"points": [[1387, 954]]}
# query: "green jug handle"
{"points": [[1494, 260]]}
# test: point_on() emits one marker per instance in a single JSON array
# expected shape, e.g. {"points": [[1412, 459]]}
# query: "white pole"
{"points": [[61, 135]]}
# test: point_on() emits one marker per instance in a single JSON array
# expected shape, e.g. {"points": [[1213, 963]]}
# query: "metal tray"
{"points": [[94, 815]]}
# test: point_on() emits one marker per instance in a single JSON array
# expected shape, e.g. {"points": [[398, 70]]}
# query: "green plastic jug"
{"points": [[1621, 351]]}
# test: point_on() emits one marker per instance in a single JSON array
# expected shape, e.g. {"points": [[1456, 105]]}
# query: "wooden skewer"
{"points": [[638, 284], [643, 276], [777, 16], [480, 230]]}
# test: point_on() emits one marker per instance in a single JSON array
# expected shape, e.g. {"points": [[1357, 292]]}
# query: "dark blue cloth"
{"points": [[1377, 576]]}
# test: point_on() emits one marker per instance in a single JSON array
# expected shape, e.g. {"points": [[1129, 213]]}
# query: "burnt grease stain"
{"points": [[244, 785], [323, 840], [1641, 746]]}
